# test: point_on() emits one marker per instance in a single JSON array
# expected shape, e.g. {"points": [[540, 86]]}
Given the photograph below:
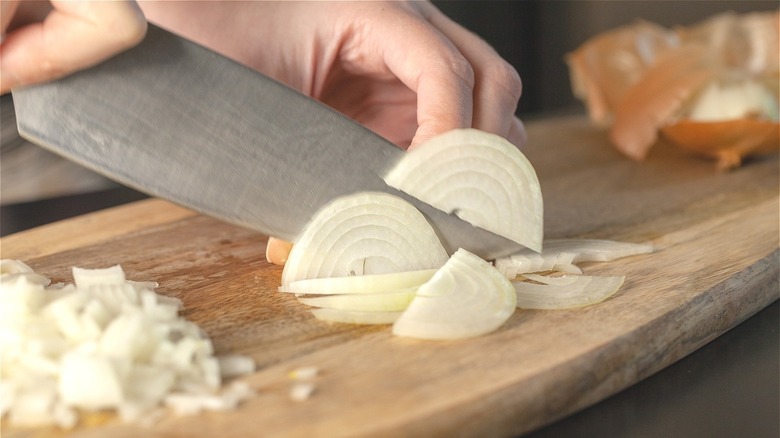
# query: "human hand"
{"points": [[402, 69], [47, 40]]}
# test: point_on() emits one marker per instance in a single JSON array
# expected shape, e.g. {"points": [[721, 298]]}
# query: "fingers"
{"points": [[517, 134], [426, 62], [497, 85], [73, 36]]}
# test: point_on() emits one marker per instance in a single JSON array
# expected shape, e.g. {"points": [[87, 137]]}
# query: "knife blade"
{"points": [[177, 121]]}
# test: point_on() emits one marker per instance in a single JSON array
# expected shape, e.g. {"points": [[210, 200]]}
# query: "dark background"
{"points": [[535, 35]]}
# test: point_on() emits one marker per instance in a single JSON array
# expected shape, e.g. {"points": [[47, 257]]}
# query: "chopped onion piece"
{"points": [[378, 302], [90, 381], [561, 255], [301, 391], [34, 407], [103, 343], [480, 177], [304, 373], [565, 292], [364, 233], [360, 284], [467, 297], [563, 280], [11, 270], [355, 316], [235, 365]]}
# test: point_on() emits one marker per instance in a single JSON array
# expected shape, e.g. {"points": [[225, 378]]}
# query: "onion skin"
{"points": [[646, 101], [726, 141], [662, 92], [606, 67]]}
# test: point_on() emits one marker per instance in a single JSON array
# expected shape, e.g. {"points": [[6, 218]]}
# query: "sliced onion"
{"points": [[562, 254], [467, 297], [364, 233], [360, 284], [563, 280], [10, 270], [355, 316], [565, 292], [480, 177], [382, 301]]}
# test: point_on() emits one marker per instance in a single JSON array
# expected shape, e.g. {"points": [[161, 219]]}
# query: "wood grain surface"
{"points": [[717, 236]]}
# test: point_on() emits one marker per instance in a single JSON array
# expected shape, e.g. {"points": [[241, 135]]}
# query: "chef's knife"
{"points": [[177, 121]]}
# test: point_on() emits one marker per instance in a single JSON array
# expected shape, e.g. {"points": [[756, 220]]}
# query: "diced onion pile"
{"points": [[103, 343]]}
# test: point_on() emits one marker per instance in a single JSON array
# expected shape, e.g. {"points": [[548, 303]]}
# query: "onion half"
{"points": [[481, 178], [467, 297], [364, 233]]}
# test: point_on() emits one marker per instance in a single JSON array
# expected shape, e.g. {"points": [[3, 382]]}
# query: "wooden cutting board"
{"points": [[716, 264]]}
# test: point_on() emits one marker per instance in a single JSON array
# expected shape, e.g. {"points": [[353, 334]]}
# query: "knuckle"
{"points": [[123, 24], [132, 31], [462, 69], [505, 76]]}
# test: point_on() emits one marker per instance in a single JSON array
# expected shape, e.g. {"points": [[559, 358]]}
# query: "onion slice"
{"points": [[563, 254], [355, 316], [378, 302], [481, 178], [565, 292], [467, 297], [364, 233], [360, 284]]}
